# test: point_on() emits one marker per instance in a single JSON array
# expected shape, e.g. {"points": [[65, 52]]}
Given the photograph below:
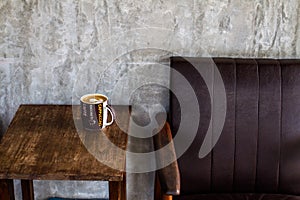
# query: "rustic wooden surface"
{"points": [[42, 142]]}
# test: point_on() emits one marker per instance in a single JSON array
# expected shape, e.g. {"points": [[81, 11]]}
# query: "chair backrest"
{"points": [[259, 147]]}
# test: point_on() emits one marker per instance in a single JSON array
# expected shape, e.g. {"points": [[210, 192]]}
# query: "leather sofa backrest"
{"points": [[259, 147]]}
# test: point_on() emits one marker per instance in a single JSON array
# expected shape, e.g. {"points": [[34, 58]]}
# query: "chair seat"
{"points": [[246, 196]]}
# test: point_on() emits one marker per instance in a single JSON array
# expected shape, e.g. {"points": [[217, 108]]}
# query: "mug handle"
{"points": [[112, 116]]}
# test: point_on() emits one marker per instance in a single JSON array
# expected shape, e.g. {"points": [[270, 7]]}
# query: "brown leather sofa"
{"points": [[257, 155]]}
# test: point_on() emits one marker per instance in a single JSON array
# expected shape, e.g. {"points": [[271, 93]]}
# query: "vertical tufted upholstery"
{"points": [[259, 148]]}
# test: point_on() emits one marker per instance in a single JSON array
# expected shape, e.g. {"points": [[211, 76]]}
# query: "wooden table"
{"points": [[43, 143]]}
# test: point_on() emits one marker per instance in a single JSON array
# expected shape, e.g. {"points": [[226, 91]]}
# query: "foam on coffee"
{"points": [[93, 99]]}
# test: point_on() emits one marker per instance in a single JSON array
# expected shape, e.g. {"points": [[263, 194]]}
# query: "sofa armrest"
{"points": [[169, 176]]}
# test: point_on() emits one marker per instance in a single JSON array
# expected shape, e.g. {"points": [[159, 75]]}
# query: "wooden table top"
{"points": [[43, 142]]}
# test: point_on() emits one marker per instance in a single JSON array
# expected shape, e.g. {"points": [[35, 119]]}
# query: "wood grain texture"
{"points": [[42, 142]]}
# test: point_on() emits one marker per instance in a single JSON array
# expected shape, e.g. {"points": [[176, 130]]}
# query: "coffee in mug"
{"points": [[94, 111]]}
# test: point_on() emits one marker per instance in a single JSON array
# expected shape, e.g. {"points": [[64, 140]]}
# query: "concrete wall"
{"points": [[53, 51]]}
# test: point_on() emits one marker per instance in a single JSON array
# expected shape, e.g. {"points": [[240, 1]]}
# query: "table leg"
{"points": [[117, 190], [7, 189], [27, 189]]}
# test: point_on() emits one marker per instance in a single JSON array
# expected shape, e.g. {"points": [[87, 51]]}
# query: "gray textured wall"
{"points": [[52, 50]]}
